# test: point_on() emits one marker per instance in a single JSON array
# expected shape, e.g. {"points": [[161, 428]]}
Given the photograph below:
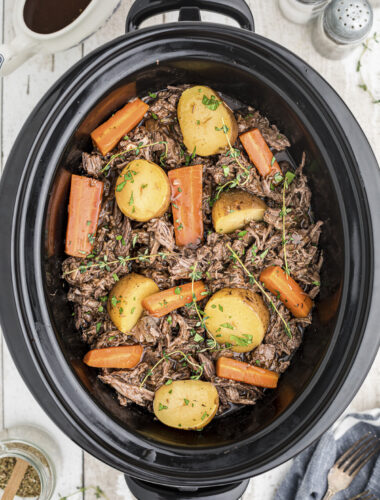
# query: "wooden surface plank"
{"points": [[21, 91]]}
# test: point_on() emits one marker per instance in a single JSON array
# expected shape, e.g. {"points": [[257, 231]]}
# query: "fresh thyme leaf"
{"points": [[224, 129], [226, 170], [263, 254], [289, 178], [198, 338]]}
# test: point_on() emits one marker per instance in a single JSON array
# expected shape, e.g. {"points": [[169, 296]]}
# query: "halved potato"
{"points": [[142, 190], [201, 116], [235, 209], [125, 300], [237, 317], [186, 404]]}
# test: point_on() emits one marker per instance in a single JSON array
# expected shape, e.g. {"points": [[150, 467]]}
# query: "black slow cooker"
{"points": [[340, 344]]}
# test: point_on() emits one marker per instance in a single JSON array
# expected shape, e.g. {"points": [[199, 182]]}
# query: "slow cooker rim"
{"points": [[193, 28]]}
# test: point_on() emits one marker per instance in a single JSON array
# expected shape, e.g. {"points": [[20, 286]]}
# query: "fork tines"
{"points": [[357, 456], [364, 495]]}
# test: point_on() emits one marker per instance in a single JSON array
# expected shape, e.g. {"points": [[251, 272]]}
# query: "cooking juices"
{"points": [[49, 16]]}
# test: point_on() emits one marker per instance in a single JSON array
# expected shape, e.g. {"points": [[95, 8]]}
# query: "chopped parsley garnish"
{"points": [[198, 338], [162, 407], [242, 341], [227, 325], [210, 103], [114, 301]]}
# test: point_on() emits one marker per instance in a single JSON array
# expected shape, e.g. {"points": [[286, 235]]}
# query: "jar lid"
{"points": [[348, 21]]}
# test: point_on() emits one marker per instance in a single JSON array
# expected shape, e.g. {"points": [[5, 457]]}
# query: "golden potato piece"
{"points": [[237, 317], [142, 190], [235, 209], [186, 404], [201, 116], [125, 300]]}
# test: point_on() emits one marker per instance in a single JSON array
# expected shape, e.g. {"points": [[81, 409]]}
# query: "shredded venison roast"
{"points": [[259, 245]]}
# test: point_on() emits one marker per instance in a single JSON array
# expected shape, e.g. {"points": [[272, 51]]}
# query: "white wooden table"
{"points": [[21, 91]]}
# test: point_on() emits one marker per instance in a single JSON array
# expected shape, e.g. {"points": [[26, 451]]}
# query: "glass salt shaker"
{"points": [[302, 11], [342, 26]]}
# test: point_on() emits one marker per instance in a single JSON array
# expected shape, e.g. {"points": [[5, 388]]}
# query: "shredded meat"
{"points": [[177, 343]]}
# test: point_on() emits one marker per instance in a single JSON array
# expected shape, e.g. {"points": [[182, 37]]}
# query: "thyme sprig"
{"points": [[98, 492], [167, 357], [262, 290], [234, 153], [197, 275], [137, 150], [105, 263], [363, 85]]}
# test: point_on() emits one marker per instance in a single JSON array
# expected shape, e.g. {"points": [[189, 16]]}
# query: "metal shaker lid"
{"points": [[348, 21]]}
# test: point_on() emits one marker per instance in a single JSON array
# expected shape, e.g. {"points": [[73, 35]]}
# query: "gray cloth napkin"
{"points": [[307, 478]]}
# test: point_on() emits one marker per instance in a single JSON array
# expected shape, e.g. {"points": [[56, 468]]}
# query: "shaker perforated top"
{"points": [[348, 21]]}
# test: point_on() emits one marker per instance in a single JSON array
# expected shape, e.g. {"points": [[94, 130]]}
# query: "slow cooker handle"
{"points": [[189, 10]]}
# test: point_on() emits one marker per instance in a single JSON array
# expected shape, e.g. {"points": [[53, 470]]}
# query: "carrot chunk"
{"points": [[234, 369], [164, 302], [126, 356], [107, 135], [288, 291], [259, 153], [186, 186], [84, 207]]}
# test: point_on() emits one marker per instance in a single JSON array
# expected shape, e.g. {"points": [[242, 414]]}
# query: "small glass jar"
{"points": [[19, 442], [301, 11]]}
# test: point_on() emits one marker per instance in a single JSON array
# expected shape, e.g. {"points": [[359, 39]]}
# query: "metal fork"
{"points": [[364, 495], [349, 464]]}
